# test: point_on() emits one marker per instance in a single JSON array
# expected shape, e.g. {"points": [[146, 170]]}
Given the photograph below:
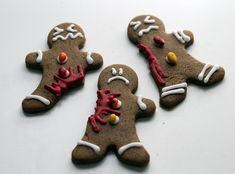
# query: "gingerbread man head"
{"points": [[141, 26], [66, 33], [111, 76]]}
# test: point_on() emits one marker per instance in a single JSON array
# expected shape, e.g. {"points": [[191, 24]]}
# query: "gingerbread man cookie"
{"points": [[170, 64], [112, 126], [63, 65]]}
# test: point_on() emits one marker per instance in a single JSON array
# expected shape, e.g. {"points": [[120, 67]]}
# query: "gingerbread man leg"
{"points": [[205, 74], [88, 152], [174, 92], [133, 153]]}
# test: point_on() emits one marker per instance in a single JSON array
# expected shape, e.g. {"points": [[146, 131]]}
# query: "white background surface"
{"points": [[197, 137]]}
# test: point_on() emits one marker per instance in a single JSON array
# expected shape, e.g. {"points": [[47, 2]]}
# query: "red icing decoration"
{"points": [[64, 82], [154, 65], [62, 56], [159, 41], [105, 100]]}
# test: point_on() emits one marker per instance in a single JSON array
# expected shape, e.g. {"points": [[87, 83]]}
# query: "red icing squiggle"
{"points": [[154, 65], [103, 107], [66, 78]]}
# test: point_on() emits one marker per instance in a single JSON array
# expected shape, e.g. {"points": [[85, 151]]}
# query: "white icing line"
{"points": [[69, 35], [175, 91], [181, 36], [184, 36], [212, 71], [39, 57], [70, 28], [91, 145], [178, 37], [89, 59], [120, 78], [114, 71], [135, 24], [140, 103], [122, 149], [120, 71], [39, 98], [180, 85], [201, 74], [146, 30], [147, 20], [57, 31]]}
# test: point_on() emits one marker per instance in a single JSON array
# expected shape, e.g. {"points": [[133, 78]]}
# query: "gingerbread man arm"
{"points": [[146, 107], [33, 60], [184, 37], [93, 60]]}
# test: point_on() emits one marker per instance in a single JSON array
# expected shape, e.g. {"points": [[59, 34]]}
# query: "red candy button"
{"points": [[159, 41]]}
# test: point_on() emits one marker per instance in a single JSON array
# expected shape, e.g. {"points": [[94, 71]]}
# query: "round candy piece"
{"points": [[113, 119], [116, 103], [171, 58], [62, 58], [63, 72]]}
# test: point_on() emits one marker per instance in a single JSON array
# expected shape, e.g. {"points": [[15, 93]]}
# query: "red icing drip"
{"points": [[63, 83], [154, 65], [105, 100]]}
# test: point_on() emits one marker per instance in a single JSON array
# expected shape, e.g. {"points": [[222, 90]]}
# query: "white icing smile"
{"points": [[72, 33], [118, 77]]}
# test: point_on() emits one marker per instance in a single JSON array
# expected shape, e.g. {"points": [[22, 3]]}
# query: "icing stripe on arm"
{"points": [[91, 145], [181, 36], [141, 104], [89, 59], [39, 57]]}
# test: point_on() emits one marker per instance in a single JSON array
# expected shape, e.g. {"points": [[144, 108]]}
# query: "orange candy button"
{"points": [[62, 57]]}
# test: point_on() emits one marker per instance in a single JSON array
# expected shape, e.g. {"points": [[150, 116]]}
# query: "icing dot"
{"points": [[63, 72], [159, 41], [113, 119], [62, 58], [116, 103], [171, 58]]}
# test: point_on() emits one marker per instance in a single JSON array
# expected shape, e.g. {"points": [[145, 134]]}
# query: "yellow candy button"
{"points": [[171, 58], [113, 119]]}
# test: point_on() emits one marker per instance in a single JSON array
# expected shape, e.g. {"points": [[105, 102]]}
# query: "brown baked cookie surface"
{"points": [[112, 126], [170, 64], [63, 66]]}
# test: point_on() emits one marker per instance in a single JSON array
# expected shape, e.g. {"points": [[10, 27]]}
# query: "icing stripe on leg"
{"points": [[122, 149], [91, 145], [174, 89], [211, 72], [39, 98]]}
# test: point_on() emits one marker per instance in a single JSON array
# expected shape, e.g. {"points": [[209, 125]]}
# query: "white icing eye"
{"points": [[135, 24], [147, 20], [114, 71], [57, 31], [70, 28], [120, 71]]}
